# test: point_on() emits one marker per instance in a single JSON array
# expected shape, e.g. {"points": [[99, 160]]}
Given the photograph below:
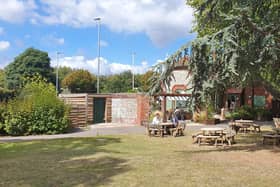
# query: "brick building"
{"points": [[257, 96]]}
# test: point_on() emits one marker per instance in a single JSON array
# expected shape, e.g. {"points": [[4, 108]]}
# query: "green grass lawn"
{"points": [[137, 160]]}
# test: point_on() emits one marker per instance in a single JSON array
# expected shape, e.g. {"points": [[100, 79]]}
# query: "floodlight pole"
{"points": [[132, 71], [98, 19], [57, 64]]}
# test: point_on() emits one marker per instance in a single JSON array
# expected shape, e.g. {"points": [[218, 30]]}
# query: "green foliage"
{"points": [[118, 83], [238, 44], [28, 63], [80, 81], [3, 113], [144, 81], [37, 110], [6, 94], [2, 78], [62, 73], [244, 112]]}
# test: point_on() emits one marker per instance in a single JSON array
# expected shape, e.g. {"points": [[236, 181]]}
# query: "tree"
{"points": [[28, 63], [118, 83], [238, 43], [62, 73], [243, 38], [2, 78], [80, 81], [144, 81]]}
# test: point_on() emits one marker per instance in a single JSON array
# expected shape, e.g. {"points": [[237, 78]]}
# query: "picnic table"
{"points": [[211, 134], [245, 125], [165, 126]]}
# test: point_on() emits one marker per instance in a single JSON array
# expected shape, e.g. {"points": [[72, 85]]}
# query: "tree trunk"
{"points": [[253, 94]]}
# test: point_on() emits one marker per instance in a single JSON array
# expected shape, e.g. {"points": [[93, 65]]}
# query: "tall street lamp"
{"points": [[133, 56], [57, 63], [98, 20]]}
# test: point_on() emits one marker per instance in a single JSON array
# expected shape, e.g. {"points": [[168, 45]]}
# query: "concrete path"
{"points": [[105, 129]]}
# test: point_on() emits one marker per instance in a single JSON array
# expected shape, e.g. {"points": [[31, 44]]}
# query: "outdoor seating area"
{"points": [[245, 126], [165, 128], [214, 136]]}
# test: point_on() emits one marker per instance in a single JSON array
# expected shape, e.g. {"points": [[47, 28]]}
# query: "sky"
{"points": [[152, 29]]}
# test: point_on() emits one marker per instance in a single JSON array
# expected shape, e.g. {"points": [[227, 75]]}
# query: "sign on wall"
{"points": [[259, 101]]}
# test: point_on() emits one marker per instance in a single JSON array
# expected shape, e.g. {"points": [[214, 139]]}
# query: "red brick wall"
{"points": [[143, 108], [258, 91]]}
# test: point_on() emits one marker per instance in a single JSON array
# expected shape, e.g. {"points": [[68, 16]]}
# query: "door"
{"points": [[99, 110]]}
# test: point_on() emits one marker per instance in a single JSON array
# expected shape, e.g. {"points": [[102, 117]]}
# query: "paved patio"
{"points": [[106, 129]]}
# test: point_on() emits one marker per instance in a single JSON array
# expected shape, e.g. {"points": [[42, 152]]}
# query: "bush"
{"points": [[246, 112], [6, 94], [3, 113], [37, 110]]}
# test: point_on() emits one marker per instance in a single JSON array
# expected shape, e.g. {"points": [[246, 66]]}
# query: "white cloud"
{"points": [[16, 10], [4, 45], [103, 43], [2, 31], [161, 20], [106, 67], [53, 40]]}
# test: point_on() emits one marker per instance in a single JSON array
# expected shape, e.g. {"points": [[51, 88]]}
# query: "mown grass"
{"points": [[137, 160]]}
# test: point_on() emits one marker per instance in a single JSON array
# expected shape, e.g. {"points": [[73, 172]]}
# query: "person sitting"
{"points": [[177, 113], [157, 119], [175, 120]]}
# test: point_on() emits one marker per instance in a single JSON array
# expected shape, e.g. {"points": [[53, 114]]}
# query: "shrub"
{"points": [[37, 110], [6, 94], [3, 113]]}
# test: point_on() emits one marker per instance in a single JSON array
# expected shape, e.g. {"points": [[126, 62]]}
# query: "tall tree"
{"points": [[238, 43], [80, 81], [242, 37], [31, 61], [2, 78], [118, 83], [144, 81]]}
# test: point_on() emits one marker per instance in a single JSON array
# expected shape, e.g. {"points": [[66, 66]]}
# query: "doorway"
{"points": [[99, 110]]}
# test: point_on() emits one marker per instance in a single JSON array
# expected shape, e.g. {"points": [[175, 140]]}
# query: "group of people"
{"points": [[158, 119]]}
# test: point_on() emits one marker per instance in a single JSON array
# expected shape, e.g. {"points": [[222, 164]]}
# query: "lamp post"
{"points": [[133, 56], [98, 20], [57, 63]]}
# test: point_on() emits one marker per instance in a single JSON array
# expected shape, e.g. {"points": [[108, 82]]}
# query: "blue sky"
{"points": [[152, 29]]}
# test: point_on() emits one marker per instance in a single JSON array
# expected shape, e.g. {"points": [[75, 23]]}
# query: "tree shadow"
{"points": [[61, 162]]}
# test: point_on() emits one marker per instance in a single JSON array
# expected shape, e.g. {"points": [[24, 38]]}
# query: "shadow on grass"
{"points": [[62, 162]]}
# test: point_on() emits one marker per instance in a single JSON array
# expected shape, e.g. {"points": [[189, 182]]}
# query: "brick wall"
{"points": [[143, 108], [258, 91]]}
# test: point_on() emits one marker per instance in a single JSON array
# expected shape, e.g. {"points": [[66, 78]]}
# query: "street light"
{"points": [[57, 62], [133, 55], [98, 20]]}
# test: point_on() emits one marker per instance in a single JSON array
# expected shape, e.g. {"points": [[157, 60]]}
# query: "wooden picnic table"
{"points": [[165, 126], [212, 130], [211, 134], [245, 122], [243, 125]]}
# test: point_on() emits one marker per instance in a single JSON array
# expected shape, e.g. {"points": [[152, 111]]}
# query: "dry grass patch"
{"points": [[138, 160]]}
